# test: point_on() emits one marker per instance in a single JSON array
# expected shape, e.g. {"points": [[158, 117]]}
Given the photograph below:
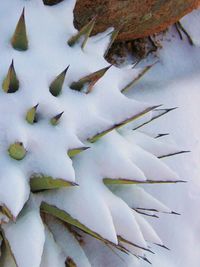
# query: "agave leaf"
{"points": [[157, 114], [121, 239], [145, 259], [179, 27], [69, 241], [113, 36], [175, 153], [146, 214], [56, 119], [140, 75], [157, 211], [73, 152], [31, 116], [51, 2], [161, 135], [11, 82], [40, 182], [70, 263], [7, 258], [19, 40], [110, 181], [65, 217], [90, 79], [56, 86], [85, 31], [5, 210], [116, 126], [17, 151]]}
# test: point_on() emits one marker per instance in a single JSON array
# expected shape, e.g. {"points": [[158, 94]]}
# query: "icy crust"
{"points": [[122, 156]]}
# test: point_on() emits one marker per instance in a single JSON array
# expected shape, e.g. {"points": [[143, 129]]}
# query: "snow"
{"points": [[118, 155], [52, 254], [67, 241], [84, 115], [26, 239], [175, 82], [190, 23]]}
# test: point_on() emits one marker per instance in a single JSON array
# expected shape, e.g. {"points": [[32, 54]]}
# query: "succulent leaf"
{"points": [[11, 82], [90, 80], [41, 182], [109, 181], [7, 259], [56, 119], [65, 217], [113, 36], [135, 80], [17, 151], [5, 210], [73, 152], [70, 263], [31, 116], [51, 2], [84, 32], [19, 40], [156, 114], [119, 125], [56, 86], [174, 154]]}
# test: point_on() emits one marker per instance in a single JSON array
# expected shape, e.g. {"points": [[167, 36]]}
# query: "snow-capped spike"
{"points": [[19, 40], [175, 213], [89, 80], [73, 152], [159, 113], [146, 214], [121, 239], [110, 181], [64, 216], [51, 2], [31, 116], [85, 31], [140, 75], [55, 120], [175, 153], [11, 82], [41, 182], [162, 246], [120, 124], [113, 36], [55, 87], [161, 135], [145, 259], [17, 151]]}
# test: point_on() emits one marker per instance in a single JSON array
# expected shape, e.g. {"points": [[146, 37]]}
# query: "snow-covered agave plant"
{"points": [[69, 168]]}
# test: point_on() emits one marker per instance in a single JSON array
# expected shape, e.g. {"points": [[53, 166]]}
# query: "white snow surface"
{"points": [[174, 82], [26, 239], [119, 155]]}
